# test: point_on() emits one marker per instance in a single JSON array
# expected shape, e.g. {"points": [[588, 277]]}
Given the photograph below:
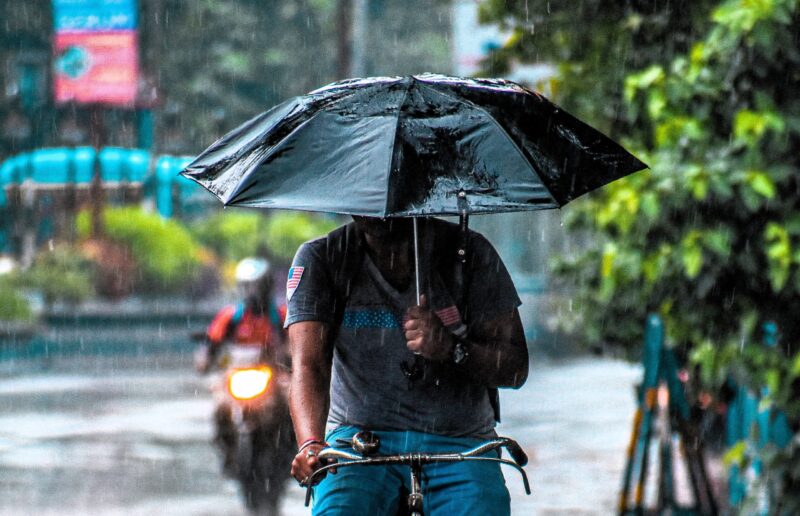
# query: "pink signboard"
{"points": [[98, 67]]}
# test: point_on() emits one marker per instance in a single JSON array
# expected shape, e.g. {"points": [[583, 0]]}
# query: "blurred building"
{"points": [[41, 191]]}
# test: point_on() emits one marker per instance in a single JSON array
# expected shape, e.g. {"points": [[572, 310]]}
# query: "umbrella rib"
{"points": [[268, 152], [503, 131], [394, 143], [520, 151]]}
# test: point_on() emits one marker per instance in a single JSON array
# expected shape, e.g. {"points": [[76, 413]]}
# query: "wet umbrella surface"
{"points": [[407, 146]]}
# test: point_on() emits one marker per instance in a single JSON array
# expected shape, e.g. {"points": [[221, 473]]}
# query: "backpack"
{"points": [[238, 315], [344, 254]]}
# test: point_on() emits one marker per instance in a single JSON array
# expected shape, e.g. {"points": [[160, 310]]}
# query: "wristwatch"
{"points": [[460, 350]]}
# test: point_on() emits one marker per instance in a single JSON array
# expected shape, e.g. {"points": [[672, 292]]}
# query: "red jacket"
{"points": [[239, 325]]}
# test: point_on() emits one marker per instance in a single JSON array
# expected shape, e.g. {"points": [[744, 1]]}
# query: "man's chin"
{"points": [[384, 229]]}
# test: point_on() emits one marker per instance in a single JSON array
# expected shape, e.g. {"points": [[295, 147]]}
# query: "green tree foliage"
{"points": [[237, 233], [59, 274], [219, 62], [232, 234], [594, 44], [216, 63], [709, 237], [408, 37], [287, 230], [167, 256], [14, 307]]}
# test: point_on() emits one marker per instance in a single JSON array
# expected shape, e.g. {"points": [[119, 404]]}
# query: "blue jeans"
{"points": [[461, 488]]}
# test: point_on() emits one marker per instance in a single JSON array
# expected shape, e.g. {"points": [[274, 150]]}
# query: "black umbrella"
{"points": [[411, 146]]}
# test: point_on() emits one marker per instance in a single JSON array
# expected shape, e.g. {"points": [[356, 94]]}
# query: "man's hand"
{"points": [[425, 334], [305, 463]]}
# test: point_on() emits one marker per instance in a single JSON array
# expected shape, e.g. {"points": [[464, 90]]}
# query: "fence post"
{"points": [[756, 428]]}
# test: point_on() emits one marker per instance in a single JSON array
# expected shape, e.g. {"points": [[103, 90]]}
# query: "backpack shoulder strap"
{"points": [[238, 314], [274, 315], [344, 254], [236, 319]]}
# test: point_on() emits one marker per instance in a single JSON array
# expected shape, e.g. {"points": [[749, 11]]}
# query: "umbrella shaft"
{"points": [[416, 258]]}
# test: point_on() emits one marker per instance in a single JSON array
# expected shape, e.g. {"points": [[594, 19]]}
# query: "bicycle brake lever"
{"points": [[515, 450]]}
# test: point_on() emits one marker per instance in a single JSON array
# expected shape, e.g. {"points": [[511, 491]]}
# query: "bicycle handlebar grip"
{"points": [[515, 450]]}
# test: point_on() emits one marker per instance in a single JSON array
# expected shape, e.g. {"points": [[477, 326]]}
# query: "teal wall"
{"points": [[51, 169]]}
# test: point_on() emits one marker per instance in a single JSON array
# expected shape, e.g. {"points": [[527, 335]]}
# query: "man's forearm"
{"points": [[496, 365], [311, 379], [498, 353], [308, 402]]}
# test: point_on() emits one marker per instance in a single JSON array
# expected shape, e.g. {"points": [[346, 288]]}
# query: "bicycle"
{"points": [[366, 445]]}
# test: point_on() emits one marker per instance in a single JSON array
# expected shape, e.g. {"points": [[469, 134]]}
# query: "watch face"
{"points": [[460, 353]]}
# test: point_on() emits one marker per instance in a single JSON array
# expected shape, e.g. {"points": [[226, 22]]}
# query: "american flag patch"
{"points": [[295, 273], [449, 316]]}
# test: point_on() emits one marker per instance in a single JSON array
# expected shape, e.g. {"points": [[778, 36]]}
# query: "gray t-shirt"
{"points": [[369, 388]]}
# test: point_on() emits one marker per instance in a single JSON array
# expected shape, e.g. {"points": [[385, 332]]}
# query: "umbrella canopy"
{"points": [[411, 146]]}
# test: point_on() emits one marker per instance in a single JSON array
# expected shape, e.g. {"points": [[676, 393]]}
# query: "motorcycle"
{"points": [[253, 427]]}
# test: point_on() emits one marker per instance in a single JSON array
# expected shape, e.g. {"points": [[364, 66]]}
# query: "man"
{"points": [[422, 377]]}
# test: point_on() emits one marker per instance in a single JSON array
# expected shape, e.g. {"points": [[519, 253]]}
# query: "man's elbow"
{"points": [[519, 354], [519, 374], [520, 377], [513, 378]]}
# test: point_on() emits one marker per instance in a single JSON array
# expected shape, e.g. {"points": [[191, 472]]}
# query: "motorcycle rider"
{"points": [[255, 323]]}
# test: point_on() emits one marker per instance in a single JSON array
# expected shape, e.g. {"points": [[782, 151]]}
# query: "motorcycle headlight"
{"points": [[245, 384]]}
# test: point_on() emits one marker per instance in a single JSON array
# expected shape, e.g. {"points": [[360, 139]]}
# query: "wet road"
{"points": [[112, 436]]}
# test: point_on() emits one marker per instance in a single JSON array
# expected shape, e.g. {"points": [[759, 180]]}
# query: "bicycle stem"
{"points": [[415, 497]]}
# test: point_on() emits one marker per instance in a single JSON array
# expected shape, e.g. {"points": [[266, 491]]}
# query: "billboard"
{"points": [[95, 52]]}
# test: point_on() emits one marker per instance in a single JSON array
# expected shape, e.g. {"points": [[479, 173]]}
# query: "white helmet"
{"points": [[251, 269]]}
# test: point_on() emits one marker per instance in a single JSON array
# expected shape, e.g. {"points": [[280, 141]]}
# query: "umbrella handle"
{"points": [[416, 258]]}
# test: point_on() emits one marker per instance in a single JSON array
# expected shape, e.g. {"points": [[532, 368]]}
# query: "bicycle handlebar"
{"points": [[333, 456]]}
